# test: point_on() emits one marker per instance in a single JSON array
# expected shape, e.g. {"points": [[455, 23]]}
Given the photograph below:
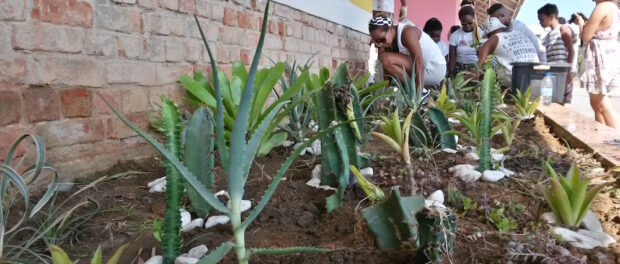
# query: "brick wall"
{"points": [[56, 55]]}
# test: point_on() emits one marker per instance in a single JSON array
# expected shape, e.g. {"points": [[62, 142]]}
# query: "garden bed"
{"points": [[296, 215]]}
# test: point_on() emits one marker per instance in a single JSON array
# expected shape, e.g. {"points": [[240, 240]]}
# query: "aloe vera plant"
{"points": [[569, 197], [59, 256], [396, 136], [236, 161], [12, 180], [524, 106]]}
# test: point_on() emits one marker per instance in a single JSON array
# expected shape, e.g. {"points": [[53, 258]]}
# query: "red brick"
{"points": [[13, 70], [10, 107], [243, 19], [135, 99], [112, 96], [76, 102], [12, 9], [230, 17], [149, 4], [116, 129], [223, 55], [40, 36], [9, 134], [272, 26], [169, 4], [187, 6], [67, 12], [245, 56], [67, 70], [72, 131], [41, 104], [281, 28], [170, 73]]}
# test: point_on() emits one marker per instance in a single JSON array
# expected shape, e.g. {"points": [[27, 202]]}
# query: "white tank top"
{"points": [[431, 53], [513, 46]]}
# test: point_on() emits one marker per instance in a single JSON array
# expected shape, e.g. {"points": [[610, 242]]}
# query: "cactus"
{"points": [[436, 231], [198, 141], [172, 127], [393, 221], [486, 107]]}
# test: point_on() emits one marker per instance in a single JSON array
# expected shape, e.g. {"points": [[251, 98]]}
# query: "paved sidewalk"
{"points": [[581, 101]]}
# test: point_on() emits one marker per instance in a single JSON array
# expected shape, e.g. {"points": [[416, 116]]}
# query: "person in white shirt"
{"points": [[409, 48], [503, 14], [433, 28], [385, 8], [507, 47], [463, 56]]}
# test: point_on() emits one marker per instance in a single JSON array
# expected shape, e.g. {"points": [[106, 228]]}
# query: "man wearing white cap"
{"points": [[507, 47]]}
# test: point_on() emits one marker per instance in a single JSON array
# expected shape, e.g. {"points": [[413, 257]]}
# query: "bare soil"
{"points": [[296, 214]]}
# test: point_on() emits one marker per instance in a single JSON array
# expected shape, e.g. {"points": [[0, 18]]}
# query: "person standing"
{"points": [[507, 47], [558, 43], [463, 56], [407, 47], [600, 68], [505, 16], [385, 8], [433, 28]]}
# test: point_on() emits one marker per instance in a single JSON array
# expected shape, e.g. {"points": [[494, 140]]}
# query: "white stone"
{"points": [[220, 193], [472, 156], [459, 167], [288, 143], [436, 196], [245, 205], [185, 260], [216, 220], [497, 157], [313, 126], [449, 150], [367, 172], [468, 175], [453, 120], [198, 222], [315, 148], [576, 239], [316, 172], [492, 175], [591, 222], [186, 217], [507, 172], [433, 203], [601, 237], [66, 187], [156, 181], [525, 118], [316, 183], [198, 252], [549, 218], [155, 260], [466, 149]]}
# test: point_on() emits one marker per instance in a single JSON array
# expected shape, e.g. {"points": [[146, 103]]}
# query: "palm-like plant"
{"points": [[395, 135], [569, 197], [524, 106]]}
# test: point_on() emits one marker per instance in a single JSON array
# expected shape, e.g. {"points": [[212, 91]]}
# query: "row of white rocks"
{"points": [[591, 234]]}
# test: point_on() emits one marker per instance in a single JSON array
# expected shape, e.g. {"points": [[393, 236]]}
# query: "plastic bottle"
{"points": [[546, 89]]}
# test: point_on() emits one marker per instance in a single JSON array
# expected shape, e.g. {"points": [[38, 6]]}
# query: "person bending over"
{"points": [[433, 28], [505, 16], [558, 43], [463, 55], [507, 47], [408, 47]]}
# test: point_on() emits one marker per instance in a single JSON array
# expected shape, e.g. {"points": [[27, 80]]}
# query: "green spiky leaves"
{"points": [[568, 197], [396, 136], [524, 106]]}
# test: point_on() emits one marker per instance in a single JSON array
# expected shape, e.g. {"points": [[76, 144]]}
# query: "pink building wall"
{"points": [[422, 10]]}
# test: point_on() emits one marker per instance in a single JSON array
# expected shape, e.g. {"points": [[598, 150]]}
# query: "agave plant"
{"points": [[300, 115], [13, 182], [447, 106], [59, 256], [236, 161], [370, 94], [412, 95], [569, 197], [524, 106]]}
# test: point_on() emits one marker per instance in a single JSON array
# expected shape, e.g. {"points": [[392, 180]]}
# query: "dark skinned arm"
{"points": [[567, 37], [486, 49], [452, 60], [411, 41]]}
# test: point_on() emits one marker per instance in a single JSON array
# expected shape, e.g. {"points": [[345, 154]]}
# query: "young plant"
{"points": [[485, 121], [59, 256], [368, 95], [301, 114], [374, 193], [412, 95], [447, 106], [13, 182], [524, 106], [236, 161], [569, 197], [502, 222], [395, 136], [509, 129]]}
